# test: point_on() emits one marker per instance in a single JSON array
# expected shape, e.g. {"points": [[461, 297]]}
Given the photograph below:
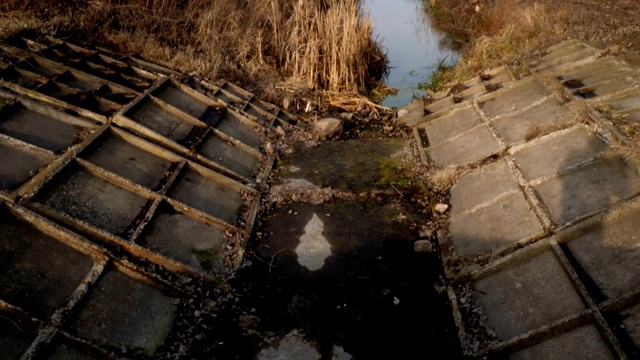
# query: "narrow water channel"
{"points": [[413, 46]]}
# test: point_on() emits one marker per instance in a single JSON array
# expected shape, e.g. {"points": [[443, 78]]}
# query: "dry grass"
{"points": [[325, 44], [498, 34]]}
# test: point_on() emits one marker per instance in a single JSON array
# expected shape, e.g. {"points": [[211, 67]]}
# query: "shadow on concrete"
{"points": [[374, 297]]}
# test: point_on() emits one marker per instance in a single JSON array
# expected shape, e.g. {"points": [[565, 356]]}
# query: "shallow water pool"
{"points": [[413, 46]]}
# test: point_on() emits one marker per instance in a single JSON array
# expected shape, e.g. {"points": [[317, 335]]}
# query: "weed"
{"points": [[206, 257], [435, 81]]}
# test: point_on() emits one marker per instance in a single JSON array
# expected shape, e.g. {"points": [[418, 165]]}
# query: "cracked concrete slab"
{"points": [[526, 295]]}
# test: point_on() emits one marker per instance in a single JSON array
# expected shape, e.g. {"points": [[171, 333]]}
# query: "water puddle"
{"points": [[413, 46]]}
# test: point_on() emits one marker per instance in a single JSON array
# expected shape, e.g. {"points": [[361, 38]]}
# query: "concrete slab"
{"points": [[526, 295], [609, 251], [631, 321], [25, 163], [152, 115], [179, 97], [440, 105], [185, 238], [521, 126], [37, 273], [515, 98], [15, 336], [238, 128], [84, 196], [583, 343], [449, 125], [481, 186], [203, 190], [123, 312], [475, 145], [503, 222], [593, 188], [414, 115], [230, 156], [120, 155], [557, 152], [45, 128], [63, 349], [628, 101]]}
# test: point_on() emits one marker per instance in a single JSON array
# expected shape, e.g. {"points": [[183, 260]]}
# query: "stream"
{"points": [[413, 46]]}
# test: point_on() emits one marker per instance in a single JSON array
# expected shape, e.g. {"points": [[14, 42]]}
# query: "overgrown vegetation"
{"points": [[512, 32], [284, 44], [499, 32]]}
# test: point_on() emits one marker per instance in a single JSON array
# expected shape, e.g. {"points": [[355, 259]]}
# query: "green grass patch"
{"points": [[206, 257]]}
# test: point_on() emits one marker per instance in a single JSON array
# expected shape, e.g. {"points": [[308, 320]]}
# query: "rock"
{"points": [[441, 208], [423, 246], [346, 116], [402, 112], [328, 128]]}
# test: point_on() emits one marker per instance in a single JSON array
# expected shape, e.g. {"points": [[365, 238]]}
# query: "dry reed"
{"points": [[324, 44]]}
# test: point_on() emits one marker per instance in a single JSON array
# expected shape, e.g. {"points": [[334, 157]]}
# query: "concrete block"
{"points": [[519, 96], [473, 146], [234, 158], [593, 188], [239, 128], [185, 238], [414, 113], [19, 164], [15, 336], [609, 251], [451, 124], [557, 152], [84, 196], [150, 114], [63, 349], [37, 272], [42, 127], [125, 312], [440, 105], [631, 323], [583, 343], [180, 97], [481, 186], [125, 156], [517, 127], [506, 221], [527, 295], [206, 191]]}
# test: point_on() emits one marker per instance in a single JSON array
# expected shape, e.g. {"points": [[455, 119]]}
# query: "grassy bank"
{"points": [[512, 32], [265, 45]]}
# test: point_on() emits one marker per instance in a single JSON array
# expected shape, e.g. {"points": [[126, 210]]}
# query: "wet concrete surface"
{"points": [[373, 296], [338, 279]]}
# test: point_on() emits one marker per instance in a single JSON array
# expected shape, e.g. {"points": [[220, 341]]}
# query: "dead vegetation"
{"points": [[320, 45], [512, 32]]}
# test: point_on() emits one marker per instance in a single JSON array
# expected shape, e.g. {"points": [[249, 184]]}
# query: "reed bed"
{"points": [[324, 44]]}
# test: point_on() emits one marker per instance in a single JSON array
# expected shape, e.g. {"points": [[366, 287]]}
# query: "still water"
{"points": [[413, 46]]}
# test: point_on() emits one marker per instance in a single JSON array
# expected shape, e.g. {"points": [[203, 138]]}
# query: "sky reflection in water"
{"points": [[413, 46]]}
